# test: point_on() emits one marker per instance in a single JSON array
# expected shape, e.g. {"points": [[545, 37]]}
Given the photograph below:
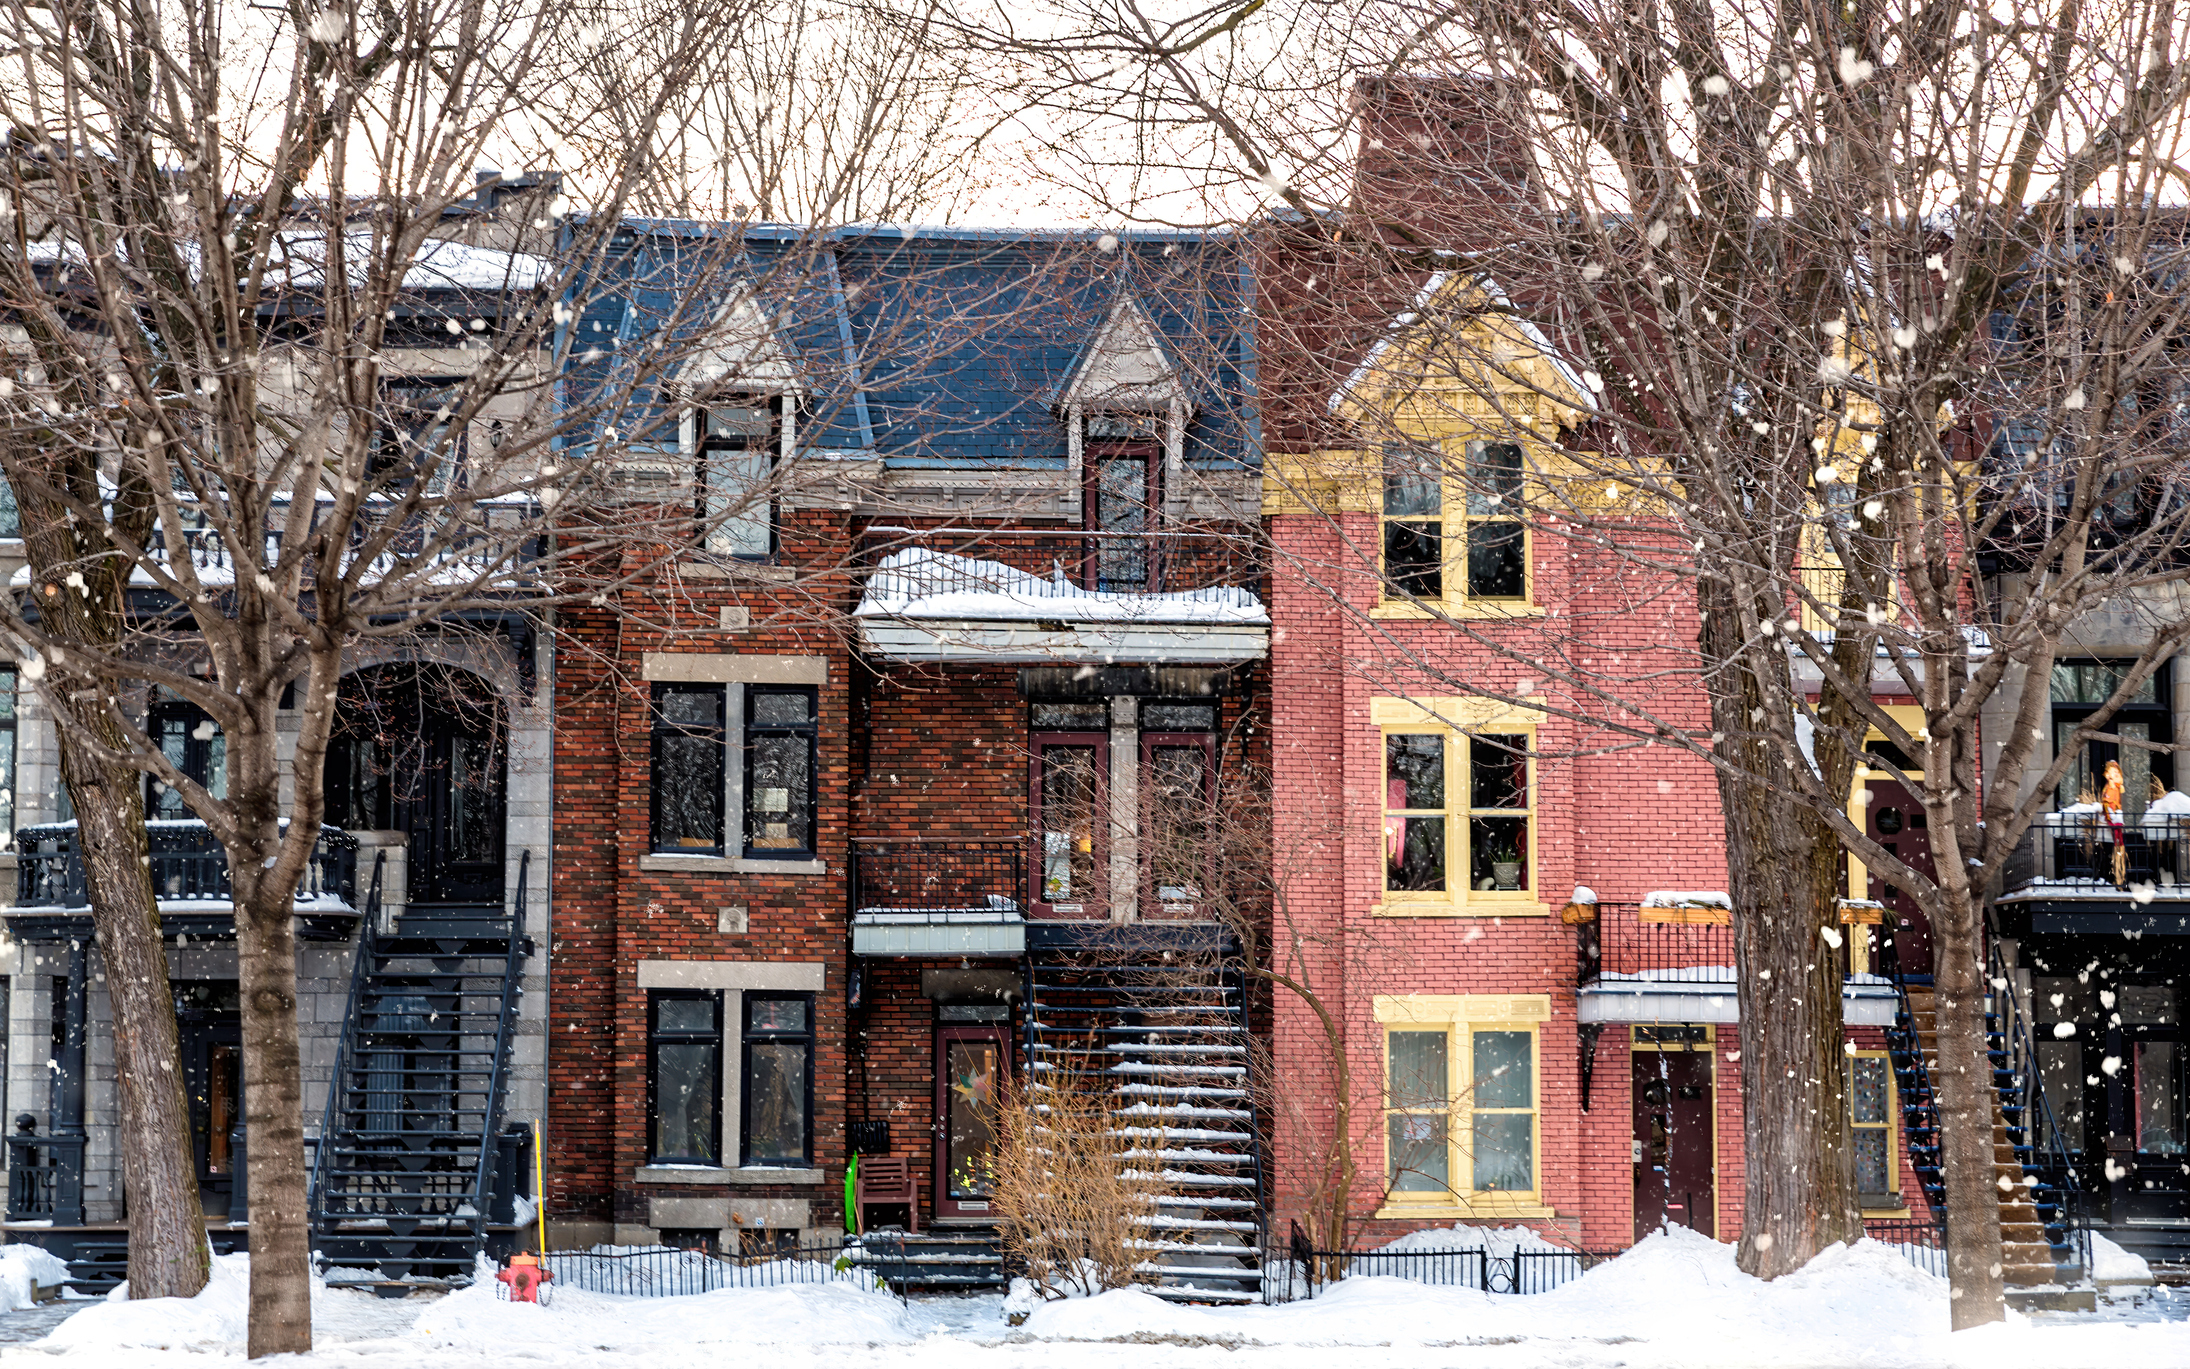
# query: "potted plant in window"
{"points": [[1505, 861]]}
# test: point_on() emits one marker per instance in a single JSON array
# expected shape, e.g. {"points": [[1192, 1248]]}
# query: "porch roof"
{"points": [[1709, 994]]}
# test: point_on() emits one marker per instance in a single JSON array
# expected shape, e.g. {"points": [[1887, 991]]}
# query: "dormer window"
{"points": [[740, 440], [1122, 465]]}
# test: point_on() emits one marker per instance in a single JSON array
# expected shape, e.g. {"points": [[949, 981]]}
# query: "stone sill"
{"points": [[670, 1174], [1471, 908], [729, 865], [1449, 1210]]}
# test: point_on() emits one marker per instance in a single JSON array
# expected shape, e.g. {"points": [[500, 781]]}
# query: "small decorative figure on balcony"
{"points": [[2110, 801]]}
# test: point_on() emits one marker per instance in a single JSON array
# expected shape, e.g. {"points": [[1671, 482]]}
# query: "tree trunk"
{"points": [[273, 1111], [1966, 1100], [1782, 868], [168, 1257]]}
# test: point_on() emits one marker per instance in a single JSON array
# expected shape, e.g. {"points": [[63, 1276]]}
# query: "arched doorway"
{"points": [[420, 749]]}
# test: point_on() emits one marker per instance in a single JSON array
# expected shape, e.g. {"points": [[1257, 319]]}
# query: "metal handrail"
{"points": [[512, 966], [52, 1191], [192, 865], [2041, 1130], [1926, 1105], [367, 939]]}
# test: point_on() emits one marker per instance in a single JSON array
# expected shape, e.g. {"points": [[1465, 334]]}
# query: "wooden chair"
{"points": [[886, 1179]]}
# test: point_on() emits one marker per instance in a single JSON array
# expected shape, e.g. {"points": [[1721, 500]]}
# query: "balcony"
{"points": [[1063, 598], [189, 880], [2074, 871], [939, 898], [1670, 958]]}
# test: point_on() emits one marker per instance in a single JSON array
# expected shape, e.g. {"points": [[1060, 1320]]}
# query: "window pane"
{"points": [[1504, 1070], [2059, 998], [1412, 483], [1498, 772], [1418, 1069], [1068, 822], [976, 1068], [775, 1102], [1071, 717], [1867, 1091], [684, 1015], [781, 793], [1178, 717], [1872, 1172], [775, 1015], [1498, 853], [689, 707], [1420, 1158], [2092, 682], [737, 506], [1414, 770], [2061, 1068], [1413, 558], [1494, 477], [684, 1101], [1415, 854], [1497, 561], [782, 709], [11, 519], [2159, 1099], [2080, 777], [2146, 1005], [1177, 839], [688, 793], [2136, 768], [1505, 1160]]}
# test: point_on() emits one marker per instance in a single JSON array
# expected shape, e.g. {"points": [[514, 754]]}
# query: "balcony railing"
{"points": [[46, 1179], [939, 881], [1682, 945], [1227, 566], [2087, 851], [188, 865]]}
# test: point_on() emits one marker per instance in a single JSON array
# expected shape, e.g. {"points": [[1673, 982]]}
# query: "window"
{"points": [[1497, 538], [779, 1060], [1124, 473], [684, 1070], [1871, 1126], [193, 744], [688, 780], [1419, 507], [779, 771], [2077, 690], [11, 517], [7, 754], [1434, 830], [1460, 1114], [1413, 525], [418, 433], [739, 440], [1068, 796], [1178, 789]]}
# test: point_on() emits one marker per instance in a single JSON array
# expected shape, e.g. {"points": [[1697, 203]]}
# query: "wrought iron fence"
{"points": [[669, 1272], [187, 863], [1675, 945], [2086, 848], [1300, 1271], [46, 1179], [938, 881], [1922, 1244]]}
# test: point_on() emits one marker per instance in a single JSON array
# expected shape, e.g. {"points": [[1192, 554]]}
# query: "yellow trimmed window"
{"points": [[1460, 1114], [1451, 537], [1871, 1124], [1457, 815]]}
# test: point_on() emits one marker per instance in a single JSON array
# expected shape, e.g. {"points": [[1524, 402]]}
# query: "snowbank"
{"points": [[1499, 1241], [23, 1270], [802, 1314], [218, 1317], [2112, 1264]]}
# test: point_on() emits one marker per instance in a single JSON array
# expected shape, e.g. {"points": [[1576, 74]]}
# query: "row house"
{"points": [[421, 1009], [888, 789]]}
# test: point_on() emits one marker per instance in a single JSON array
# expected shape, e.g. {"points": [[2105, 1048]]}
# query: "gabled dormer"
{"points": [[1125, 403], [740, 394]]}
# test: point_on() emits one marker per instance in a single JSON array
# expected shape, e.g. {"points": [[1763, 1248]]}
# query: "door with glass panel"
{"points": [[2151, 1140], [1069, 802], [971, 1067], [1674, 1178], [1178, 795]]}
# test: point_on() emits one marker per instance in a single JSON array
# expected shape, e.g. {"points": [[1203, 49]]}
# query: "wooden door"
{"points": [[971, 1066], [1896, 821], [1675, 1171], [1070, 801]]}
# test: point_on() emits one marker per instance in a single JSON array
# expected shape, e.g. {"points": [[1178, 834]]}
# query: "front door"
{"points": [[1896, 821], [971, 1065], [455, 814], [420, 750], [1070, 799], [209, 1032], [1674, 1175]]}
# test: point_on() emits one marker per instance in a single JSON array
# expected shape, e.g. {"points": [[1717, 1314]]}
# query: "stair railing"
{"points": [[2050, 1158], [491, 1123], [368, 937], [1926, 1104]]}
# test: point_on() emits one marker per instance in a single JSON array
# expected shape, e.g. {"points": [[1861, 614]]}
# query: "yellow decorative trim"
{"points": [[1403, 611], [1459, 712], [1396, 1209], [1478, 906], [1463, 1007]]}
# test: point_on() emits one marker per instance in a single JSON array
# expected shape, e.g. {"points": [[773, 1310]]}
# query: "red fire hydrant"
{"points": [[524, 1277]]}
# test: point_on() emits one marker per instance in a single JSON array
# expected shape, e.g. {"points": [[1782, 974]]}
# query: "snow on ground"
{"points": [[1674, 1302], [24, 1268]]}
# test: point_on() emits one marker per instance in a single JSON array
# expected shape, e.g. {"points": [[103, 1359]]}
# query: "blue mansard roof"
{"points": [[922, 346]]}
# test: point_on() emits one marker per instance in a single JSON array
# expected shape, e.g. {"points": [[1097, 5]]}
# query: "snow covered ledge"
{"points": [[930, 606]]}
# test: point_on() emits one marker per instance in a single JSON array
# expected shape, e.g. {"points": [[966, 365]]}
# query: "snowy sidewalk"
{"points": [[1675, 1301]]}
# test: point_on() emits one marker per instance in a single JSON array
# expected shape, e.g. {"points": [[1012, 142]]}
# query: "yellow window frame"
{"points": [[1891, 1127], [1461, 1017], [1455, 510], [1458, 816]]}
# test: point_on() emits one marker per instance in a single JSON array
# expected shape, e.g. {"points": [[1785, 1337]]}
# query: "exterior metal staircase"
{"points": [[1165, 1037], [405, 1167], [2042, 1237]]}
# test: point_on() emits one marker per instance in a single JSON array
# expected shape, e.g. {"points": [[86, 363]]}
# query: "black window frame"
{"points": [[197, 763], [706, 441], [811, 730], [747, 1038], [657, 1038], [412, 410], [662, 729], [2158, 716]]}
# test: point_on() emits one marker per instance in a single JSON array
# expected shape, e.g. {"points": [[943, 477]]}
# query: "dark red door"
{"points": [[1675, 1178], [971, 1064], [1069, 796], [1896, 821]]}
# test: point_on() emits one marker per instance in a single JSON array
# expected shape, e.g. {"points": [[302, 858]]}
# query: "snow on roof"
{"points": [[1687, 898], [439, 265], [918, 583]]}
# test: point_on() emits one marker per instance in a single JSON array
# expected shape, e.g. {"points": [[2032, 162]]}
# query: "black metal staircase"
{"points": [[405, 1166], [1163, 1032]]}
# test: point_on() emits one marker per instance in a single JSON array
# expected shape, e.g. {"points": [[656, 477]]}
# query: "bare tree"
{"points": [[1866, 298]]}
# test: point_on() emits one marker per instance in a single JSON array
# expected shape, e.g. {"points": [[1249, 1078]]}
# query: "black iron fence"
{"points": [[958, 881], [1300, 1271], [669, 1272], [1689, 945], [2088, 848], [46, 1179], [1923, 1244], [188, 864]]}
